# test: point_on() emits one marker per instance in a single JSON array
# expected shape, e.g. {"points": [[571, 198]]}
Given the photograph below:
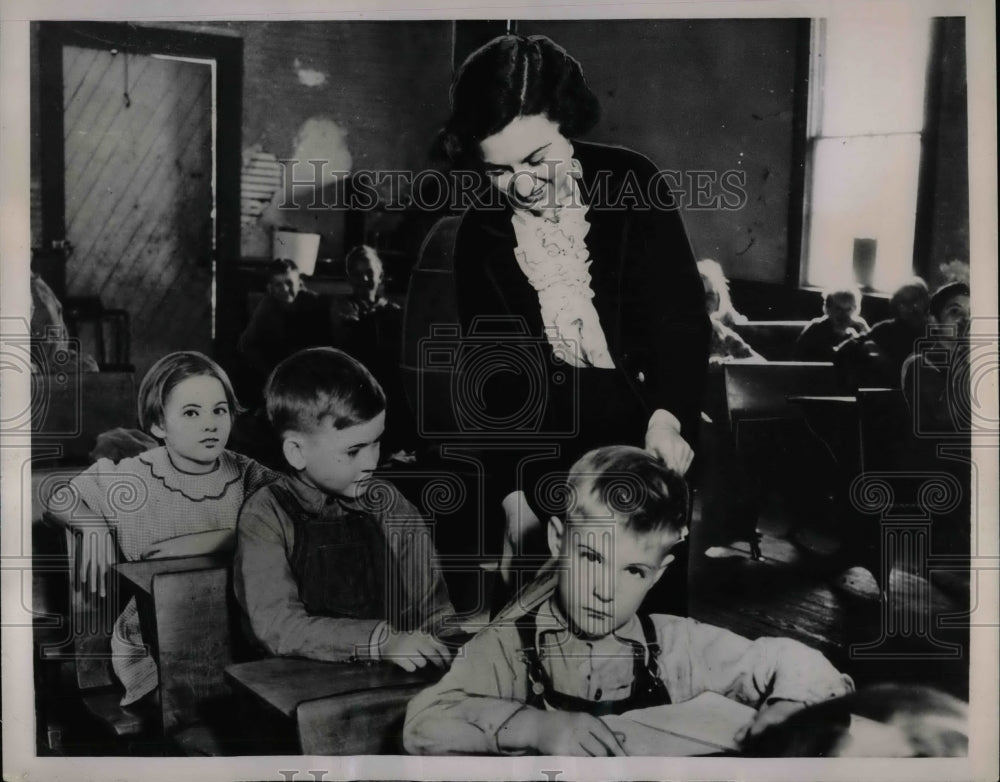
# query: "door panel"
{"points": [[139, 201]]}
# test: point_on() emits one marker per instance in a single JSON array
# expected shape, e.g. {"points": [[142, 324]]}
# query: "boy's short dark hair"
{"points": [[633, 485], [915, 285], [313, 384], [946, 293]]}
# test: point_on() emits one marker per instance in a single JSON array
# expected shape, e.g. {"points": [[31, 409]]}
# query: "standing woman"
{"points": [[578, 249]]}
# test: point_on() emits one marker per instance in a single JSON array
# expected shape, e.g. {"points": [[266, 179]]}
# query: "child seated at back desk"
{"points": [[370, 328], [818, 340], [289, 317], [331, 563], [572, 648], [180, 499], [875, 359]]}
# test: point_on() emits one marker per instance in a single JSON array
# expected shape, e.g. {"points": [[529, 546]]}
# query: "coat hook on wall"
{"points": [[128, 100], [114, 53]]}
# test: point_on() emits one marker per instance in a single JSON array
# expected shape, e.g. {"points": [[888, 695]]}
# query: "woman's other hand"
{"points": [[663, 438]]}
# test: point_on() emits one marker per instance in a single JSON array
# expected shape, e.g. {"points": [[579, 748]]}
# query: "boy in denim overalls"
{"points": [[331, 562], [572, 648]]}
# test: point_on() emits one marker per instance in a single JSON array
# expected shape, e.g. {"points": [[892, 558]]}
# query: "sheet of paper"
{"points": [[703, 725]]}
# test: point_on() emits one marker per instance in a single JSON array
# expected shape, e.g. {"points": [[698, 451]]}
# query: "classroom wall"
{"points": [[701, 95], [709, 95], [375, 91]]}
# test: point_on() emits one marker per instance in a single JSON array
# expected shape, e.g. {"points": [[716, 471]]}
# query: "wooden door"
{"points": [[139, 205]]}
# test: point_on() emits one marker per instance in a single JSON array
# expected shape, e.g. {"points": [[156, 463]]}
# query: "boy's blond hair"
{"points": [[633, 485]]}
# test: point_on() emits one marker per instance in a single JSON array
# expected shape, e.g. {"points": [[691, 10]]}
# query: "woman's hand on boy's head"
{"points": [[770, 714], [413, 650], [663, 438]]}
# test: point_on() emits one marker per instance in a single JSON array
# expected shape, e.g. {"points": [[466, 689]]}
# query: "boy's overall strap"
{"points": [[537, 678], [647, 689], [652, 643], [286, 500]]}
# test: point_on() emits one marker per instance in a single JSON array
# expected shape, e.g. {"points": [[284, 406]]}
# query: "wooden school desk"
{"points": [[186, 621], [321, 708]]}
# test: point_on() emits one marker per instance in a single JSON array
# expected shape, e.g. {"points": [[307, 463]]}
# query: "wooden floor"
{"points": [[801, 589]]}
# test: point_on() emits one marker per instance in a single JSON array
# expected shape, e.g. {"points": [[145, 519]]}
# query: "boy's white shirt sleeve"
{"points": [[465, 711], [697, 657]]}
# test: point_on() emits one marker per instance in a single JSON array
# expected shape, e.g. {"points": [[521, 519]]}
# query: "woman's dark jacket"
{"points": [[648, 295]]}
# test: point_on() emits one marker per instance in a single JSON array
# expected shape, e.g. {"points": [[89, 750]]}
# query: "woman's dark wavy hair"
{"points": [[509, 77]]}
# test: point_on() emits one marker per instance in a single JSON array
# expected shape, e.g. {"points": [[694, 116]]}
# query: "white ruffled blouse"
{"points": [[552, 252]]}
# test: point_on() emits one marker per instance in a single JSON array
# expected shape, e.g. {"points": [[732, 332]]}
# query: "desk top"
{"points": [[140, 574], [284, 682]]}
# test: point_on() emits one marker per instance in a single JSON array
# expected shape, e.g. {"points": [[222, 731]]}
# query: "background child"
{"points": [[370, 328], [717, 300], [876, 359], [366, 273], [572, 648], [179, 499], [838, 323], [726, 343], [290, 317], [933, 377], [331, 563]]}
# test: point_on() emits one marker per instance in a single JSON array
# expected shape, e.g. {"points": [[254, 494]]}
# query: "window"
{"points": [[866, 116]]}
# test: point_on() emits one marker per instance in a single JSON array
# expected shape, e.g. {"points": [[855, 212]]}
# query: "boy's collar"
{"points": [[312, 499], [550, 618]]}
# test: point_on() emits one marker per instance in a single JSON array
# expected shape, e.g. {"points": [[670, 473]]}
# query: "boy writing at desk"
{"points": [[331, 563], [572, 647]]}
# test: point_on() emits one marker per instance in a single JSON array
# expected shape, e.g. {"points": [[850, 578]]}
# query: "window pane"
{"points": [[863, 188], [874, 71]]}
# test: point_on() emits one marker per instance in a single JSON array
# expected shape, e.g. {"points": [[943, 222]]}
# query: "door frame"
{"points": [[226, 50]]}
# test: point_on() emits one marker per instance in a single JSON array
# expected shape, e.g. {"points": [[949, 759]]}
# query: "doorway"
{"points": [[136, 189]]}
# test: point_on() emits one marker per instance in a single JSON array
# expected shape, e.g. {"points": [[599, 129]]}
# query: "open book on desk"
{"points": [[705, 725]]}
